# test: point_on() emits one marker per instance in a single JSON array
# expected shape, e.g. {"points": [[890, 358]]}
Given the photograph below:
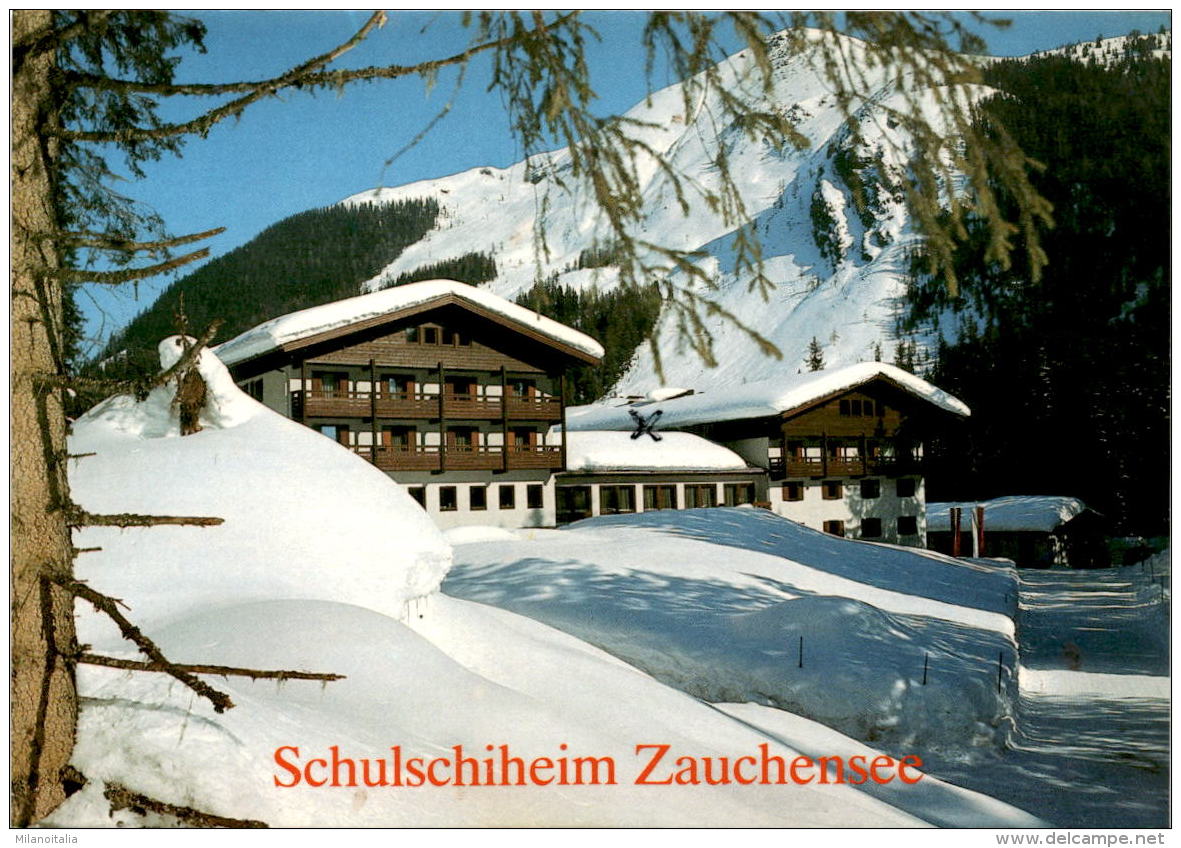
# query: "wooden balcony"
{"points": [[840, 466], [460, 457], [465, 407], [535, 409]]}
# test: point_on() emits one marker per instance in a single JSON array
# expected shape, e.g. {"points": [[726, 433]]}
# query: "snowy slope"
{"points": [[844, 292], [717, 601]]}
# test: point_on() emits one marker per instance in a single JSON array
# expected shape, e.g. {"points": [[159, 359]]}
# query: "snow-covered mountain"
{"points": [[837, 274]]}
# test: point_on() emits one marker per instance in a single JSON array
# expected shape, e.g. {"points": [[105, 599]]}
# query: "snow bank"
{"points": [[318, 319], [606, 450], [720, 603], [1032, 513], [303, 517], [762, 399]]}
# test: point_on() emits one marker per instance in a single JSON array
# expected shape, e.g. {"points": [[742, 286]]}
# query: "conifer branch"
{"points": [[311, 80], [139, 388], [122, 798], [49, 38], [107, 241], [110, 607], [114, 278], [202, 123], [223, 670]]}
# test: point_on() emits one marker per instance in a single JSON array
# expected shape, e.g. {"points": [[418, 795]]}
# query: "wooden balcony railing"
{"points": [[841, 466], [354, 404], [460, 457]]}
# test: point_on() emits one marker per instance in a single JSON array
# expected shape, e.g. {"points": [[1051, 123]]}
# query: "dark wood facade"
{"points": [[874, 429], [444, 386]]}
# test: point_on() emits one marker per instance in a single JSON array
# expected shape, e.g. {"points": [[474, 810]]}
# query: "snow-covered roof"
{"points": [[613, 450], [1016, 513], [330, 316], [762, 399]]}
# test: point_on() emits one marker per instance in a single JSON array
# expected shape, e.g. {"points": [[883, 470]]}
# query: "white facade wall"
{"points": [[814, 510]]}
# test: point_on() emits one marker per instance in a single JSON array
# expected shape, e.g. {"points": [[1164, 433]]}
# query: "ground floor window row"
{"points": [[578, 502], [834, 490], [871, 528], [481, 496]]}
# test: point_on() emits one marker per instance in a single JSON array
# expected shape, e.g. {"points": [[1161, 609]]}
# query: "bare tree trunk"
{"points": [[43, 697]]}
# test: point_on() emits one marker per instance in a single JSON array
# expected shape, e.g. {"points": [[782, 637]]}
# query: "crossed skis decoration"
{"points": [[646, 425]]}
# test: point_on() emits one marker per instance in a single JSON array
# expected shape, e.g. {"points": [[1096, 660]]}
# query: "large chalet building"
{"points": [[448, 388], [459, 395], [839, 450]]}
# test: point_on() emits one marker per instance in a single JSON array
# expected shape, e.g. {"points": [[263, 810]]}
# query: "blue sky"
{"points": [[299, 152]]}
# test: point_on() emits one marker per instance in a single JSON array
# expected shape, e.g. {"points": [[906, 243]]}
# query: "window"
{"points": [[339, 433], [832, 490], [430, 335], [464, 387], [396, 384], [412, 335], [254, 389], [836, 528], [793, 491], [905, 487], [701, 495], [534, 495], [860, 407], [419, 494], [477, 498], [508, 496], [524, 439], [739, 493], [616, 499], [870, 489], [908, 525], [399, 438], [330, 383], [574, 503], [660, 497], [448, 337], [448, 499], [871, 528], [463, 437], [522, 388]]}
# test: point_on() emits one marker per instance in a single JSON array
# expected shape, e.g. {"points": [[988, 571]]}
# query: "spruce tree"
{"points": [[815, 359]]}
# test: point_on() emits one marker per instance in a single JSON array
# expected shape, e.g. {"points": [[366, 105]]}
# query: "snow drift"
{"points": [[286, 533]]}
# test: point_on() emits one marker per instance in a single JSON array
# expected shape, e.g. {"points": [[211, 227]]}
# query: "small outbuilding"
{"points": [[1035, 531], [611, 472]]}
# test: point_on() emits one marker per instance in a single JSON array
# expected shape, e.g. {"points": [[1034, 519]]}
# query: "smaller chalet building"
{"points": [[447, 388], [838, 450], [610, 472], [1035, 531]]}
